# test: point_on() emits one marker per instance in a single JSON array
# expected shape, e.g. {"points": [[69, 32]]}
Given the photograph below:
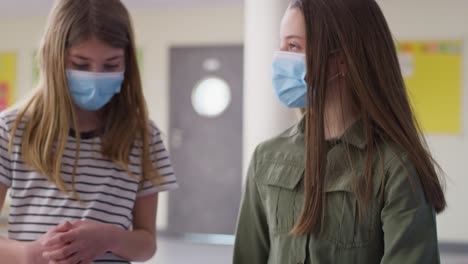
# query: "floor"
{"points": [[181, 252], [176, 251]]}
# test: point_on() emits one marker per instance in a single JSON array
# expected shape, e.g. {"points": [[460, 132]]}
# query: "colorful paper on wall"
{"points": [[140, 59], [35, 72], [7, 79], [433, 73]]}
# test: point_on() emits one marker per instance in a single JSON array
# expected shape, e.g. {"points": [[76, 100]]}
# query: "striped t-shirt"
{"points": [[107, 191]]}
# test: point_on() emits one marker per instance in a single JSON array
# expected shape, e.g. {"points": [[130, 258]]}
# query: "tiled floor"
{"points": [[454, 259], [172, 251]]}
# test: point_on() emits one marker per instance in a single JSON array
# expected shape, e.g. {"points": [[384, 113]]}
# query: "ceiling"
{"points": [[25, 8]]}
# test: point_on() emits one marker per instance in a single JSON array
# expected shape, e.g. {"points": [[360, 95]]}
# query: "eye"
{"points": [[80, 66], [111, 66], [294, 47]]}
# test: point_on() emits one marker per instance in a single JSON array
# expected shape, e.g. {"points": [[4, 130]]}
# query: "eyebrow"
{"points": [[115, 58], [294, 36], [80, 57], [88, 59]]}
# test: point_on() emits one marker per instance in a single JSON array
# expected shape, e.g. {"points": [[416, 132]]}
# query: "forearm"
{"points": [[136, 245], [12, 251]]}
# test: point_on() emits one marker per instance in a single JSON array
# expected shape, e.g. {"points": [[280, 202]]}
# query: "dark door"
{"points": [[206, 100]]}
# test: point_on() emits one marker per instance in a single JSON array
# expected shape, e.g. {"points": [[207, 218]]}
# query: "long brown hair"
{"points": [[49, 113], [358, 29]]}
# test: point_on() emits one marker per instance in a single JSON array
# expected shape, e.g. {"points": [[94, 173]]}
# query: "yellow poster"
{"points": [[433, 73], [7, 79]]}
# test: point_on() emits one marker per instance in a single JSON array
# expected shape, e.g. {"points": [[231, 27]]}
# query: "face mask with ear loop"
{"points": [[91, 91], [289, 72]]}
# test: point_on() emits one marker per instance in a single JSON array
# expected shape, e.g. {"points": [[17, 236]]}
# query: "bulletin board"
{"points": [[433, 73], [7, 79]]}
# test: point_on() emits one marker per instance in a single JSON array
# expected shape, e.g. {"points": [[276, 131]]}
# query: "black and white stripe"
{"points": [[107, 192]]}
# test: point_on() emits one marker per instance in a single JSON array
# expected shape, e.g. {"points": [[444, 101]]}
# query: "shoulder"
{"points": [[287, 147], [153, 129], [401, 177], [9, 116], [280, 161], [393, 157], [8, 119]]}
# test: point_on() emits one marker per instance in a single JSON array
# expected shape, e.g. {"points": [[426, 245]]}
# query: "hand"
{"points": [[82, 244], [33, 250]]}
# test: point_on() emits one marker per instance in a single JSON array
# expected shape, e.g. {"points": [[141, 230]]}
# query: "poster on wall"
{"points": [[7, 79], [433, 73]]}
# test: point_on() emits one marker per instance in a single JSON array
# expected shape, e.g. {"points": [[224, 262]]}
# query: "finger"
{"points": [[60, 239], [86, 257], [82, 222], [62, 227], [77, 223], [61, 253], [87, 261], [75, 259], [50, 249]]}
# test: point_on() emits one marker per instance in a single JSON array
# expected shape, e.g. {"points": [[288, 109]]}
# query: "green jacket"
{"points": [[399, 226]]}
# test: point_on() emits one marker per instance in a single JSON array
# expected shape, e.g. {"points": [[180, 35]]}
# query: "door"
{"points": [[206, 97]]}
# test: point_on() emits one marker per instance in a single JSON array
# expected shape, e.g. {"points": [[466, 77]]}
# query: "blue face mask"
{"points": [[91, 91], [289, 71]]}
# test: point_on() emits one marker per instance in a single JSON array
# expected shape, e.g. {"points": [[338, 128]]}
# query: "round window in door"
{"points": [[211, 97]]}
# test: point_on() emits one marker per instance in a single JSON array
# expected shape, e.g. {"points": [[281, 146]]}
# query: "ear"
{"points": [[341, 63], [337, 64]]}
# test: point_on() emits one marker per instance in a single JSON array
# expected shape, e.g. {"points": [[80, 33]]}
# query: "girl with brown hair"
{"points": [[353, 181]]}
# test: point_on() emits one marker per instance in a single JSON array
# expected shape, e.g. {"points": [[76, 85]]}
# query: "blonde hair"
{"points": [[50, 110]]}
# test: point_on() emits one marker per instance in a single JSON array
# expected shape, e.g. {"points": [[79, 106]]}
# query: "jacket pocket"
{"points": [[345, 225], [283, 195]]}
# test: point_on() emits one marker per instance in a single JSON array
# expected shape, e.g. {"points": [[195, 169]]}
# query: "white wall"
{"points": [[157, 30], [261, 30], [434, 20]]}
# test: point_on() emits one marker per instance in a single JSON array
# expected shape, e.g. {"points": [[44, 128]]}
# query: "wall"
{"points": [[433, 20], [157, 30]]}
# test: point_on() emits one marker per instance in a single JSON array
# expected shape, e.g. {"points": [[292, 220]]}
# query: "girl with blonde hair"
{"points": [[81, 159]]}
